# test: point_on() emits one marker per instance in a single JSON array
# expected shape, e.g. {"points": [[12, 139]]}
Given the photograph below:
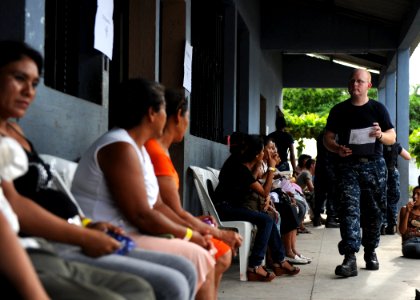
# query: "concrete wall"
{"points": [[56, 123], [265, 79], [63, 125]]}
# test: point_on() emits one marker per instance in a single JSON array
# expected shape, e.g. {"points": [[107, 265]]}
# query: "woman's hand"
{"points": [[211, 218], [410, 205], [201, 239], [97, 243], [105, 226], [232, 238], [267, 203], [271, 160]]}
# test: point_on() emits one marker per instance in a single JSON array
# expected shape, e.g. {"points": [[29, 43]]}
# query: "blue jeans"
{"points": [[174, 272], [411, 248], [267, 233]]}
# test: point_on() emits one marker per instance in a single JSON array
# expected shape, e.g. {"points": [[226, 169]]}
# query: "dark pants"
{"points": [[325, 183], [362, 193], [267, 233], [392, 197], [288, 213]]}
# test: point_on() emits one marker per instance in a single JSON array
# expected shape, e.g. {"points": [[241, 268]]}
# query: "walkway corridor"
{"points": [[396, 279]]}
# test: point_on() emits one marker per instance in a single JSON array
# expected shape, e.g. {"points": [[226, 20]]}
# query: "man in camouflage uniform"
{"points": [[356, 129]]}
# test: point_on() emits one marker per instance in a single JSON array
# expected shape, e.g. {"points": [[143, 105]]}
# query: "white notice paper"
{"points": [[187, 67], [104, 27], [361, 136]]}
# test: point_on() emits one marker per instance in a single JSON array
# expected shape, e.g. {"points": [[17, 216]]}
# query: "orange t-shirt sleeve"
{"points": [[162, 163]]}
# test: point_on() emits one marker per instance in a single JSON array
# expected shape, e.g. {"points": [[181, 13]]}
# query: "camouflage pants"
{"points": [[362, 194], [392, 197]]}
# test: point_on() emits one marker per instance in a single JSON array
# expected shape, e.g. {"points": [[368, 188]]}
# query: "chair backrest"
{"points": [[202, 178], [65, 168], [215, 172], [63, 172]]}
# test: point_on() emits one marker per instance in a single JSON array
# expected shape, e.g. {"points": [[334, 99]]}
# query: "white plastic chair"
{"points": [[63, 172], [244, 228], [215, 172]]}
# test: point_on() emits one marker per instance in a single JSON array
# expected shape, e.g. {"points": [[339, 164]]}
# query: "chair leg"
{"points": [[244, 250]]}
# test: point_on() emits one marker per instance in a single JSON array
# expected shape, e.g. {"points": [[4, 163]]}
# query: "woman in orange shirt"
{"points": [[176, 124]]}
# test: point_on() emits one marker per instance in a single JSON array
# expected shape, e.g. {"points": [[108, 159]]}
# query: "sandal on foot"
{"points": [[285, 268], [303, 230], [305, 257], [252, 274]]}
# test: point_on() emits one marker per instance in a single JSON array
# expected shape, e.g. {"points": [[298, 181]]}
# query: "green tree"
{"points": [[415, 108], [414, 138], [317, 101], [309, 100]]}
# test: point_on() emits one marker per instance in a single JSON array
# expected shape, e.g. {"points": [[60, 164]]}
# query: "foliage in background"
{"points": [[317, 101], [304, 126], [415, 108], [414, 138], [414, 145]]}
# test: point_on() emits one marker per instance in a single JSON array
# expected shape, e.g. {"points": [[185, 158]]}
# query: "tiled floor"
{"points": [[396, 279]]}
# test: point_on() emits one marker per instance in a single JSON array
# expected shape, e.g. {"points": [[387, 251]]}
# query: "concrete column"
{"points": [[382, 95], [402, 121], [175, 16], [391, 96], [173, 19], [143, 31]]}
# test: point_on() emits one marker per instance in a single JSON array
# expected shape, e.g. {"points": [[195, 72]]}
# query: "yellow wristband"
{"points": [[272, 169], [188, 234], [86, 222]]}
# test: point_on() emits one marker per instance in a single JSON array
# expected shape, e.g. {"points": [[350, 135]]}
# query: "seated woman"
{"points": [[115, 181], [59, 278], [177, 119], [287, 208], [301, 163], [409, 226], [305, 182], [18, 278], [236, 182], [20, 68]]}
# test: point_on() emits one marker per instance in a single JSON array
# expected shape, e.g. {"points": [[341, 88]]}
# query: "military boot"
{"points": [[348, 268], [371, 260]]}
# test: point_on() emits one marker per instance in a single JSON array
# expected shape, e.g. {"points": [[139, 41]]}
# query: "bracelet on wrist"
{"points": [[188, 234], [272, 169], [86, 222]]}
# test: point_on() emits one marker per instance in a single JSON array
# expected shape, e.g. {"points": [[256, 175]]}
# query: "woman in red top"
{"points": [[176, 124]]}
